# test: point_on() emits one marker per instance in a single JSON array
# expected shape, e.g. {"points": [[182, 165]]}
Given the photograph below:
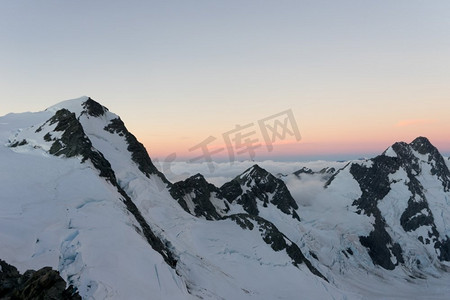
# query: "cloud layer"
{"points": [[219, 173]]}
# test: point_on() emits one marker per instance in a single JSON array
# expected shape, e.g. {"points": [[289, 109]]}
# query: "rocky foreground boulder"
{"points": [[43, 284]]}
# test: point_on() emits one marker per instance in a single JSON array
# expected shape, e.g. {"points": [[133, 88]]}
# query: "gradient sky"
{"points": [[358, 75]]}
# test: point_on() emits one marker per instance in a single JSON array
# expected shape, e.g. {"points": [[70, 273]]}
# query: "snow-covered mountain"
{"points": [[80, 194]]}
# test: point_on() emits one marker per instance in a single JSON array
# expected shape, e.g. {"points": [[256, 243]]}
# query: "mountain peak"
{"points": [[258, 187], [195, 196], [198, 176], [256, 168], [423, 145], [94, 108], [197, 180], [420, 144], [73, 105], [252, 172], [79, 106]]}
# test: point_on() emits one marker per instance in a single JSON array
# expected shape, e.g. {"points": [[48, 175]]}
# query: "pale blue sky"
{"points": [[190, 69]]}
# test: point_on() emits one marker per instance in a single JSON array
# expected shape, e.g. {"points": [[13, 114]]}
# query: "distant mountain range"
{"points": [[79, 194]]}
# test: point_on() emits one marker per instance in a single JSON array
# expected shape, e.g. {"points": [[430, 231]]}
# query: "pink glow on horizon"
{"points": [[302, 148]]}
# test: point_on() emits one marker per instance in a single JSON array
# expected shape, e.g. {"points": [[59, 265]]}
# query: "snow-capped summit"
{"points": [[79, 106], [74, 105]]}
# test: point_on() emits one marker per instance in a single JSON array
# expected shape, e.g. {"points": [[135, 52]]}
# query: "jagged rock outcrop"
{"points": [[303, 170], [200, 198], [256, 187], [45, 284], [375, 184], [325, 173], [93, 108]]}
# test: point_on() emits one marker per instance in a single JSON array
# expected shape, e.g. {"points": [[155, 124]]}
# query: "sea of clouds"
{"points": [[220, 173]]}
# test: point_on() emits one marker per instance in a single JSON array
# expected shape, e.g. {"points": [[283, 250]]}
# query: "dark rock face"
{"points": [[43, 284], [439, 167], [199, 191], [444, 246], [258, 185], [325, 173], [138, 152], [303, 170], [405, 157], [74, 142], [232, 191], [17, 144], [412, 218], [243, 220], [273, 237], [93, 108], [330, 171], [374, 183]]}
